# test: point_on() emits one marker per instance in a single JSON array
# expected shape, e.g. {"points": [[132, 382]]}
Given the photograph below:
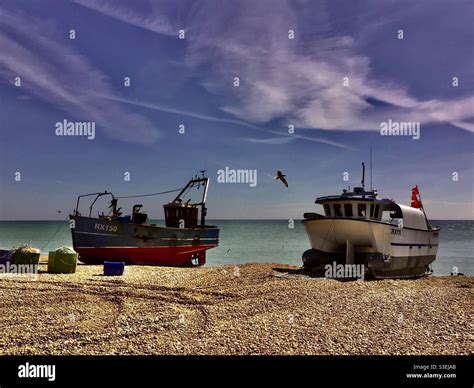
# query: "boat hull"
{"points": [[99, 240], [386, 250]]}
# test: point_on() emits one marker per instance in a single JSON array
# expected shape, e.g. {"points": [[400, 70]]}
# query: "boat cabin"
{"points": [[361, 204], [179, 215], [356, 204]]}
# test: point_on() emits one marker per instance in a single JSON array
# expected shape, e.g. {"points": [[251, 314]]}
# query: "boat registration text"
{"points": [[106, 228]]}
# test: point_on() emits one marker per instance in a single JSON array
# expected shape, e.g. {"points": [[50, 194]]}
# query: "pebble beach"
{"points": [[256, 308]]}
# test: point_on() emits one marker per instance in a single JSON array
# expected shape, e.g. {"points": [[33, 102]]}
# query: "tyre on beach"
{"points": [[316, 259], [313, 262], [308, 259]]}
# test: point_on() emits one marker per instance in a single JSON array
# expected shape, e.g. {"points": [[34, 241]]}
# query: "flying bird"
{"points": [[281, 177]]}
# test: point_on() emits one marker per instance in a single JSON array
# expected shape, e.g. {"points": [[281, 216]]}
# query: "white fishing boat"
{"points": [[388, 239]]}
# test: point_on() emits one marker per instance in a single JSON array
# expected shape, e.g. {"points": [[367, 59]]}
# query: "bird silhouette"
{"points": [[281, 177]]}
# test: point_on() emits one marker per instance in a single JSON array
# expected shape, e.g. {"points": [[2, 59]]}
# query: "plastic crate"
{"points": [[114, 268], [59, 262]]}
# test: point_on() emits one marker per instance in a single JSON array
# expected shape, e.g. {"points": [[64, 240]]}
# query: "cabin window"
{"points": [[371, 210], [362, 210], [327, 210], [376, 212], [387, 216], [337, 210], [348, 209]]}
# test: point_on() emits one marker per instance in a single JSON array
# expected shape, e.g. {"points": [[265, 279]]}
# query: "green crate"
{"points": [[60, 262], [21, 258]]}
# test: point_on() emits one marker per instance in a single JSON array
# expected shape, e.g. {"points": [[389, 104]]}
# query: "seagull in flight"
{"points": [[281, 177]]}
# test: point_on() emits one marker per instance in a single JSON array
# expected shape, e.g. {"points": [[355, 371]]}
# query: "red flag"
{"points": [[415, 198]]}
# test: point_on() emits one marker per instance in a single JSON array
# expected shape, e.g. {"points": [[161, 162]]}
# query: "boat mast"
{"points": [[370, 166], [204, 197]]}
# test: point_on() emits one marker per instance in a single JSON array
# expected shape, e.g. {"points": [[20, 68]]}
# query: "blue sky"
{"points": [[190, 81]]}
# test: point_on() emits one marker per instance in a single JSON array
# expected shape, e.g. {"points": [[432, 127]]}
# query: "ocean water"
{"points": [[246, 241]]}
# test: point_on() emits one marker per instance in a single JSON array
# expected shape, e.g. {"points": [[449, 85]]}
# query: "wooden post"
{"points": [[349, 252]]}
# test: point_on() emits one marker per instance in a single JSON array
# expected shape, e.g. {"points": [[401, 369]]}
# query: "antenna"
{"points": [[370, 166], [363, 174]]}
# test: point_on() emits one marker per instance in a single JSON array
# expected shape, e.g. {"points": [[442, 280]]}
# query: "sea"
{"points": [[247, 241]]}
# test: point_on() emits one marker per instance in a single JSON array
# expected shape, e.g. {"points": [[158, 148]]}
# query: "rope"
{"points": [[54, 234], [149, 195], [329, 229]]}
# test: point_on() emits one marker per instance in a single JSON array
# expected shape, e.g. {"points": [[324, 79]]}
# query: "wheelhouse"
{"points": [[356, 204], [361, 204], [179, 214]]}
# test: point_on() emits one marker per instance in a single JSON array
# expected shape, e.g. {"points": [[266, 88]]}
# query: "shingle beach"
{"points": [[248, 309]]}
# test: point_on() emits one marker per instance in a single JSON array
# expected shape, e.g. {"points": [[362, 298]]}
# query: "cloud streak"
{"points": [[285, 80], [275, 140], [298, 81], [70, 83], [270, 141], [302, 82], [153, 21], [54, 73]]}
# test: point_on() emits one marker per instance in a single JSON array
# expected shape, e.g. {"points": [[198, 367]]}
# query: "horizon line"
{"points": [[228, 219]]}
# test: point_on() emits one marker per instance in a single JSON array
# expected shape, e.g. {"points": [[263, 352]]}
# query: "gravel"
{"points": [[248, 309]]}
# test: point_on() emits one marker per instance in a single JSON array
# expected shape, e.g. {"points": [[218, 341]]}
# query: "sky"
{"points": [[333, 71]]}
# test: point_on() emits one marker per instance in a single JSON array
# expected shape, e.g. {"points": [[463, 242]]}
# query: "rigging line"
{"points": [[149, 195], [329, 229], [54, 234]]}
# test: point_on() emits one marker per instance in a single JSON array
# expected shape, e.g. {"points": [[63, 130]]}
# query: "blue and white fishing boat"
{"points": [[389, 239]]}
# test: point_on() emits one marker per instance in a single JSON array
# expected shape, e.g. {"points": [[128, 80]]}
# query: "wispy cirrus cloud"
{"points": [[278, 138], [298, 81], [56, 74], [70, 83], [301, 80], [270, 141], [153, 21]]}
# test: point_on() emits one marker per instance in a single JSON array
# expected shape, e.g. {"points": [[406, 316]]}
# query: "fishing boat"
{"points": [[388, 239], [182, 242]]}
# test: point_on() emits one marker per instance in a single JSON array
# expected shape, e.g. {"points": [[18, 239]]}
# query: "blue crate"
{"points": [[114, 268]]}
